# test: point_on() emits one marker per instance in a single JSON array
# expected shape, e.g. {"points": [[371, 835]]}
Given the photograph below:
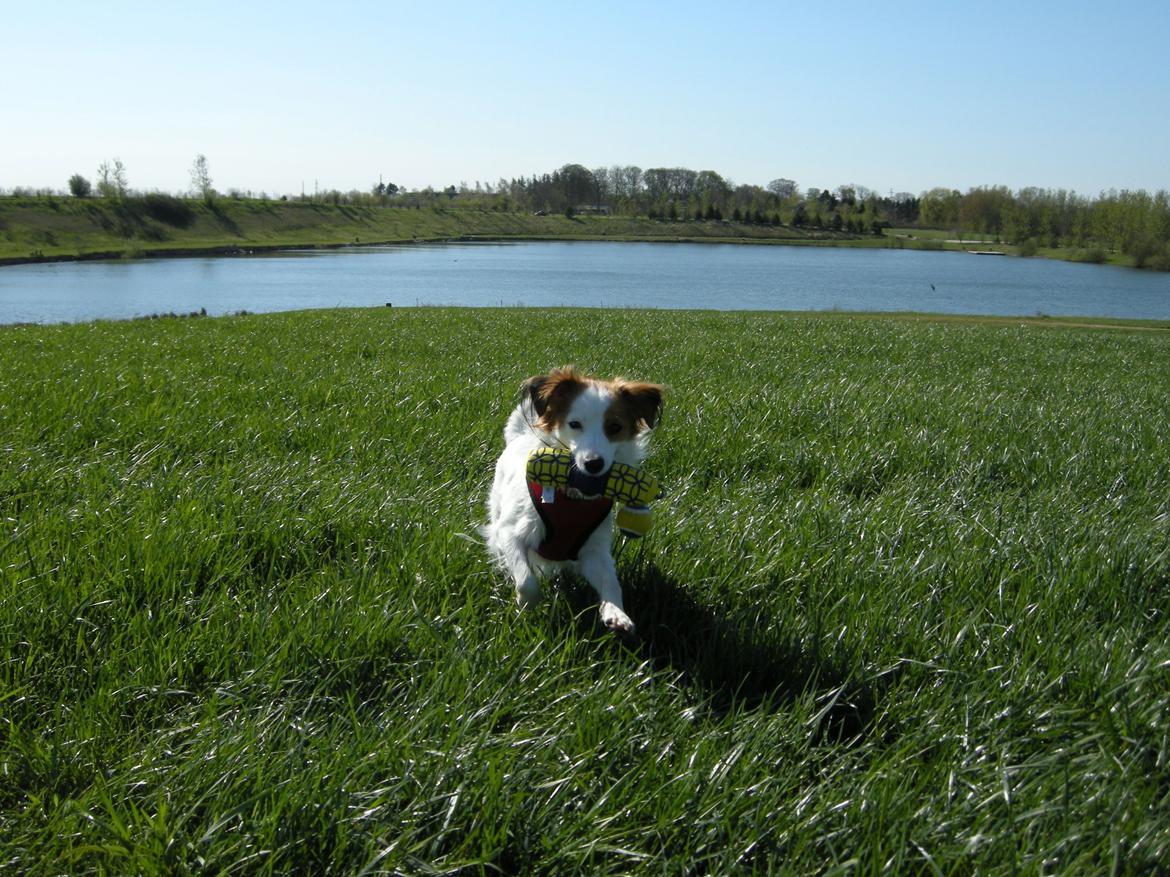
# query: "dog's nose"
{"points": [[594, 465]]}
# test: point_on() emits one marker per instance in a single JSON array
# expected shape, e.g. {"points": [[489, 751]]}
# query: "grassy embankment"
{"points": [[904, 610], [39, 229], [66, 228]]}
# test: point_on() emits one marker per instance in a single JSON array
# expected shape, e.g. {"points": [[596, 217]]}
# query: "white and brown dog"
{"points": [[600, 422]]}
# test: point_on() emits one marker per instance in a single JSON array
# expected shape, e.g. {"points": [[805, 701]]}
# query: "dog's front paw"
{"points": [[527, 592], [616, 620]]}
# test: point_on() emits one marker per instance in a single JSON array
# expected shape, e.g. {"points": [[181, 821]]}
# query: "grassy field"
{"points": [[904, 610], [66, 228]]}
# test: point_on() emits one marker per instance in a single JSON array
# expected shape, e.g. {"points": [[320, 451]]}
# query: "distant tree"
{"points": [[985, 208], [120, 178], [105, 185], [939, 208], [577, 184], [782, 188], [112, 179], [601, 186], [847, 195], [79, 186], [657, 182], [201, 179], [712, 188], [626, 181]]}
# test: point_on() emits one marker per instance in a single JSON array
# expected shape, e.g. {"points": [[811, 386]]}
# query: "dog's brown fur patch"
{"points": [[635, 405], [553, 394]]}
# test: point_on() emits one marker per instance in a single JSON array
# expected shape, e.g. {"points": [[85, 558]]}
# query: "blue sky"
{"points": [[894, 96]]}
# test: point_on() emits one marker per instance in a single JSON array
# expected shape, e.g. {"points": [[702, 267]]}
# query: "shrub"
{"points": [[1144, 251], [80, 187], [1028, 248], [1160, 260]]}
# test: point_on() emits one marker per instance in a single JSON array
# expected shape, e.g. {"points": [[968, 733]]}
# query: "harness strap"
{"points": [[568, 522]]}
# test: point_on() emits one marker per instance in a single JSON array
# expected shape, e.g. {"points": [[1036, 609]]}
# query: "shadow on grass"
{"points": [[730, 657]]}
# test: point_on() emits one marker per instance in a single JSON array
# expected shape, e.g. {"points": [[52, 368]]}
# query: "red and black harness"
{"points": [[568, 521]]}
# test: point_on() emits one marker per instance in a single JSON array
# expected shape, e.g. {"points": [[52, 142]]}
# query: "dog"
{"points": [[600, 422]]}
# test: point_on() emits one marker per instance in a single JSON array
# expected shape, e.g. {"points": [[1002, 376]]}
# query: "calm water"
{"points": [[584, 274]]}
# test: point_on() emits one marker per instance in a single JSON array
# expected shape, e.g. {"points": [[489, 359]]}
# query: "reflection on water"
{"points": [[586, 274]]}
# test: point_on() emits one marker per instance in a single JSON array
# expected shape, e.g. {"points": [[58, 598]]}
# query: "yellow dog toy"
{"points": [[553, 468]]}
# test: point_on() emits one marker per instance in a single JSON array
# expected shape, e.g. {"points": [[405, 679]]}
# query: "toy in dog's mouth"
{"points": [[554, 470], [554, 467]]}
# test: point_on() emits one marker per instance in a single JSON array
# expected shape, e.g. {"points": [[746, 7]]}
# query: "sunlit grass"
{"points": [[903, 610]]}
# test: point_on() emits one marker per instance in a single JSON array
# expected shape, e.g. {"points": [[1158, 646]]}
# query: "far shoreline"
{"points": [[252, 249], [134, 254], [44, 230]]}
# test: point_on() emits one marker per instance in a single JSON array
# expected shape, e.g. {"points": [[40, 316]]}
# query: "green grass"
{"points": [[66, 228], [904, 609]]}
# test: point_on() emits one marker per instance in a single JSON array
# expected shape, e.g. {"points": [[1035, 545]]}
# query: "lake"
{"points": [[583, 274]]}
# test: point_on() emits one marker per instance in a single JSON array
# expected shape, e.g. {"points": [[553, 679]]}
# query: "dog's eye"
{"points": [[613, 428], [574, 424]]}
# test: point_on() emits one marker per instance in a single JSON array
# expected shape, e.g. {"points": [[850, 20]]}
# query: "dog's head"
{"points": [[598, 421]]}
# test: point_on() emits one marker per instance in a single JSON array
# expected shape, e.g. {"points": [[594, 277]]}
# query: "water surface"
{"points": [[583, 274]]}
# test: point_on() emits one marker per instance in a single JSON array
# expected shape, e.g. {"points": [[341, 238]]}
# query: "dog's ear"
{"points": [[643, 401], [533, 390], [552, 393]]}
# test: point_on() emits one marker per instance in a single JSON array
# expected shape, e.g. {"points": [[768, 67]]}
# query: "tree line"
{"points": [[1133, 223]]}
